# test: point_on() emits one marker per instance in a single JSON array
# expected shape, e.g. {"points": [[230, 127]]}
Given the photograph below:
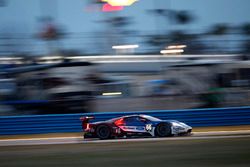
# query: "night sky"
{"points": [[21, 16]]}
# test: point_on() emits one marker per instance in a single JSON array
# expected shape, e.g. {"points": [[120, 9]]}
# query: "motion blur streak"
{"points": [[125, 46], [112, 93], [176, 47], [71, 140], [172, 51]]}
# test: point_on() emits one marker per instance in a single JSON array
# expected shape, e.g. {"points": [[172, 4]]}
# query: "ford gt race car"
{"points": [[133, 126]]}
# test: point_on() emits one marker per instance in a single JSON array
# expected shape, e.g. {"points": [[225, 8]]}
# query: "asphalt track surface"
{"points": [[78, 140]]}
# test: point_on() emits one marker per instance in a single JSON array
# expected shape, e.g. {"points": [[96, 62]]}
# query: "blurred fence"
{"points": [[38, 124], [102, 42]]}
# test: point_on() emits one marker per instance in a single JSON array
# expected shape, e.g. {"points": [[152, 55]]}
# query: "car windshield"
{"points": [[150, 118], [113, 119]]}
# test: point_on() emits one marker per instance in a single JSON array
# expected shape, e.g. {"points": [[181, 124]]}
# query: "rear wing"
{"points": [[85, 119]]}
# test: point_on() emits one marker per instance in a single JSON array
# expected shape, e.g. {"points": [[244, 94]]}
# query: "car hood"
{"points": [[178, 123]]}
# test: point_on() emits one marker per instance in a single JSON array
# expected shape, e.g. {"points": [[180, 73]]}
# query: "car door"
{"points": [[134, 124]]}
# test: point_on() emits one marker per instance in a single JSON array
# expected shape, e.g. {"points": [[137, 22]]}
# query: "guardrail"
{"points": [[38, 124]]}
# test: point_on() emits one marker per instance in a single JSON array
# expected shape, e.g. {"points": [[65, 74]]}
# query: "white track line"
{"points": [[168, 139], [71, 140], [235, 132]]}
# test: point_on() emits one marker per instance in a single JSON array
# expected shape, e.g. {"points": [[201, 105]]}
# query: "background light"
{"points": [[176, 46], [174, 51], [120, 2], [125, 47], [108, 8]]}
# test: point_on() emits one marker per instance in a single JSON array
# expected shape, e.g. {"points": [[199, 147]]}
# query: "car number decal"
{"points": [[149, 127]]}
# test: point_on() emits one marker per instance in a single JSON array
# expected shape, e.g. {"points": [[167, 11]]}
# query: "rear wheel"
{"points": [[163, 130], [103, 132]]}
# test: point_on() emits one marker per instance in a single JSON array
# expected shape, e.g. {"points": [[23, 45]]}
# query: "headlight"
{"points": [[178, 128]]}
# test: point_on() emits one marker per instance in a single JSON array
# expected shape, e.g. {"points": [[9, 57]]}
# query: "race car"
{"points": [[133, 126]]}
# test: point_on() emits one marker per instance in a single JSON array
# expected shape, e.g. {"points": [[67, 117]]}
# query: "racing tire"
{"points": [[163, 130], [103, 132]]}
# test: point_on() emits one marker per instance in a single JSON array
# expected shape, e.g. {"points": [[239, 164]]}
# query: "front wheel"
{"points": [[103, 132], [163, 130]]}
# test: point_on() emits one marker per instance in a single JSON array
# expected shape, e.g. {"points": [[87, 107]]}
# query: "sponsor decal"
{"points": [[140, 128], [133, 128]]}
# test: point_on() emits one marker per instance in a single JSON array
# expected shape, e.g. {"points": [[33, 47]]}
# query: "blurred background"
{"points": [[65, 56]]}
